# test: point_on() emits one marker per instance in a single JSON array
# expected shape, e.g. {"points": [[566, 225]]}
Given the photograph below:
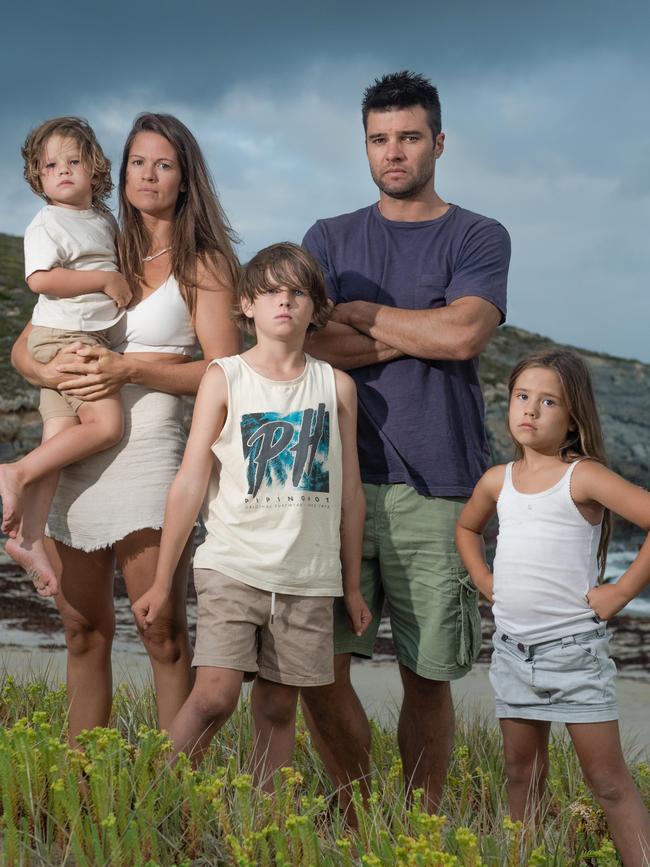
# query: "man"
{"points": [[419, 286]]}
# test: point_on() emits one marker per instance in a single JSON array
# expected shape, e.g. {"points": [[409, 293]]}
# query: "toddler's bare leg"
{"points": [[26, 545], [102, 426]]}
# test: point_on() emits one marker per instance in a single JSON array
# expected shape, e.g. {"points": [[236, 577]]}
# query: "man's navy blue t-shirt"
{"points": [[421, 422]]}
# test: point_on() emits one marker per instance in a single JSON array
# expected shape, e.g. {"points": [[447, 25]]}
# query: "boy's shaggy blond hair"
{"points": [[283, 264], [92, 156]]}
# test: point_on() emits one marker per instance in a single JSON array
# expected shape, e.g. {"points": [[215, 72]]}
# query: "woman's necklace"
{"points": [[155, 255]]}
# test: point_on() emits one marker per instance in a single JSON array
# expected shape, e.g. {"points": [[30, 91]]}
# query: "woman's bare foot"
{"points": [[31, 557], [11, 491]]}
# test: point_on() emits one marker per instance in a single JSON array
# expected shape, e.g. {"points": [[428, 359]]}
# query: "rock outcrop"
{"points": [[622, 386]]}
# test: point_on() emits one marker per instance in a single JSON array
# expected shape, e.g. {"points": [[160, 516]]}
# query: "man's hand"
{"points": [[358, 612], [346, 312], [118, 289], [607, 600], [148, 607]]}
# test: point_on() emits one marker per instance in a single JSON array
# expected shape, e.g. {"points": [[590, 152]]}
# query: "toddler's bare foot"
{"points": [[11, 490], [32, 558]]}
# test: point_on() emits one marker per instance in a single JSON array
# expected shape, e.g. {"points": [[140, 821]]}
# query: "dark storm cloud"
{"points": [[195, 50]]}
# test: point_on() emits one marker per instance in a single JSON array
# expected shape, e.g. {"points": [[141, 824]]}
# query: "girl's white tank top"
{"points": [[545, 563], [273, 509]]}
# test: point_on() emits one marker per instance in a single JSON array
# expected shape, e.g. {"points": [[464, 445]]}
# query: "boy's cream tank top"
{"points": [[273, 510]]}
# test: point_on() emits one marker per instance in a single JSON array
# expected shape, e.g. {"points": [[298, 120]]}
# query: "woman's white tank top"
{"points": [[160, 322], [545, 563], [273, 510]]}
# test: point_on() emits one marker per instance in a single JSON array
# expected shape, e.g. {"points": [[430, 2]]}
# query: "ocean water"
{"points": [[617, 563]]}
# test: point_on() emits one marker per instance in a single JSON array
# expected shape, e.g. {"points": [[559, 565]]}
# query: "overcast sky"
{"points": [[545, 107]]}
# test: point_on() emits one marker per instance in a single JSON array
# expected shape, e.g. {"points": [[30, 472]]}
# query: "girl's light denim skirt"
{"points": [[569, 680]]}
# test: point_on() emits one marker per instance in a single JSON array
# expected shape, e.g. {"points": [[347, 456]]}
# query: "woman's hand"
{"points": [[48, 374], [98, 373], [42, 375]]}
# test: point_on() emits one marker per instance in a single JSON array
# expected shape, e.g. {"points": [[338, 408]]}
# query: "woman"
{"points": [[176, 251]]}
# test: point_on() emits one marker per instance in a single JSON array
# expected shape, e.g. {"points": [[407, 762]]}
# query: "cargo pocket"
{"points": [[468, 630]]}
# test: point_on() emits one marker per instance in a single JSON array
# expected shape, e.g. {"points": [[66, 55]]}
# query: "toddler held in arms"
{"points": [[71, 265]]}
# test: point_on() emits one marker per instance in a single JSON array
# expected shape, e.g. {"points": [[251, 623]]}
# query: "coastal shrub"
{"points": [[118, 802]]}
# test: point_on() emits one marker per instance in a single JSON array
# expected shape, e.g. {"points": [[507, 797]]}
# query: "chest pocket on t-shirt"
{"points": [[429, 291]]}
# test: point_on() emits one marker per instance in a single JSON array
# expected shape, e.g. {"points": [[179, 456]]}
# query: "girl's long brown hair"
{"points": [[586, 438], [201, 232]]}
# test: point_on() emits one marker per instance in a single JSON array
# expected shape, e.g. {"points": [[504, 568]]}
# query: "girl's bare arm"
{"points": [[593, 483], [473, 520]]}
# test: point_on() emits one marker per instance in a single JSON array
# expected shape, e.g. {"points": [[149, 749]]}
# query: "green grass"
{"points": [[118, 802]]}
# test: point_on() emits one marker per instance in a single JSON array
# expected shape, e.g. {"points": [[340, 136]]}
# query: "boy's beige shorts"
{"points": [[234, 630]]}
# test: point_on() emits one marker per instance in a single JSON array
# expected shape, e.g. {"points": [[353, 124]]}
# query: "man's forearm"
{"points": [[346, 348], [457, 332]]}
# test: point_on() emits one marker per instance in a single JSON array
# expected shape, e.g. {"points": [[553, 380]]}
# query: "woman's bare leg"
{"points": [[85, 602], [598, 746], [166, 640]]}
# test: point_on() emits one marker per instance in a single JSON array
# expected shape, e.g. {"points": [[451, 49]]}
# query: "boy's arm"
{"points": [[470, 526], [353, 504], [66, 283], [187, 491], [593, 483]]}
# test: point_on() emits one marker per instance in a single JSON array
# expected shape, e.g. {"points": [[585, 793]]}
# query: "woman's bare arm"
{"points": [[36, 373], [98, 372]]}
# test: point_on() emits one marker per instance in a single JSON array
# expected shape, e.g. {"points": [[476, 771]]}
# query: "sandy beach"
{"points": [[377, 683], [31, 643]]}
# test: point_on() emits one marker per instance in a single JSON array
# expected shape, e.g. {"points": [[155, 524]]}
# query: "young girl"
{"points": [[550, 659]]}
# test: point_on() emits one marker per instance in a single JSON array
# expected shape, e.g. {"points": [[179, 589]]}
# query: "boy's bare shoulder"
{"points": [[215, 370], [346, 392], [215, 377], [345, 386]]}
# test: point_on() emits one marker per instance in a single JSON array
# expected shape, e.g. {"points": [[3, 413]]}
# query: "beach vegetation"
{"points": [[118, 800]]}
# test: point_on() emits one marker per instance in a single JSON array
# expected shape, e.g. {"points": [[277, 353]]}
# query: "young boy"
{"points": [[284, 519], [71, 264]]}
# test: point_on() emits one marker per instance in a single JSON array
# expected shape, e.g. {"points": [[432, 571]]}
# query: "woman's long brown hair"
{"points": [[201, 232], [585, 439]]}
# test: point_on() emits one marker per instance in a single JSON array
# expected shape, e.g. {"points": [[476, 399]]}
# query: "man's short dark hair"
{"points": [[403, 90]]}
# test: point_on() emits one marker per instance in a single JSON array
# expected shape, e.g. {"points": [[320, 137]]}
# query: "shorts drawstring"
{"points": [[272, 606]]}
